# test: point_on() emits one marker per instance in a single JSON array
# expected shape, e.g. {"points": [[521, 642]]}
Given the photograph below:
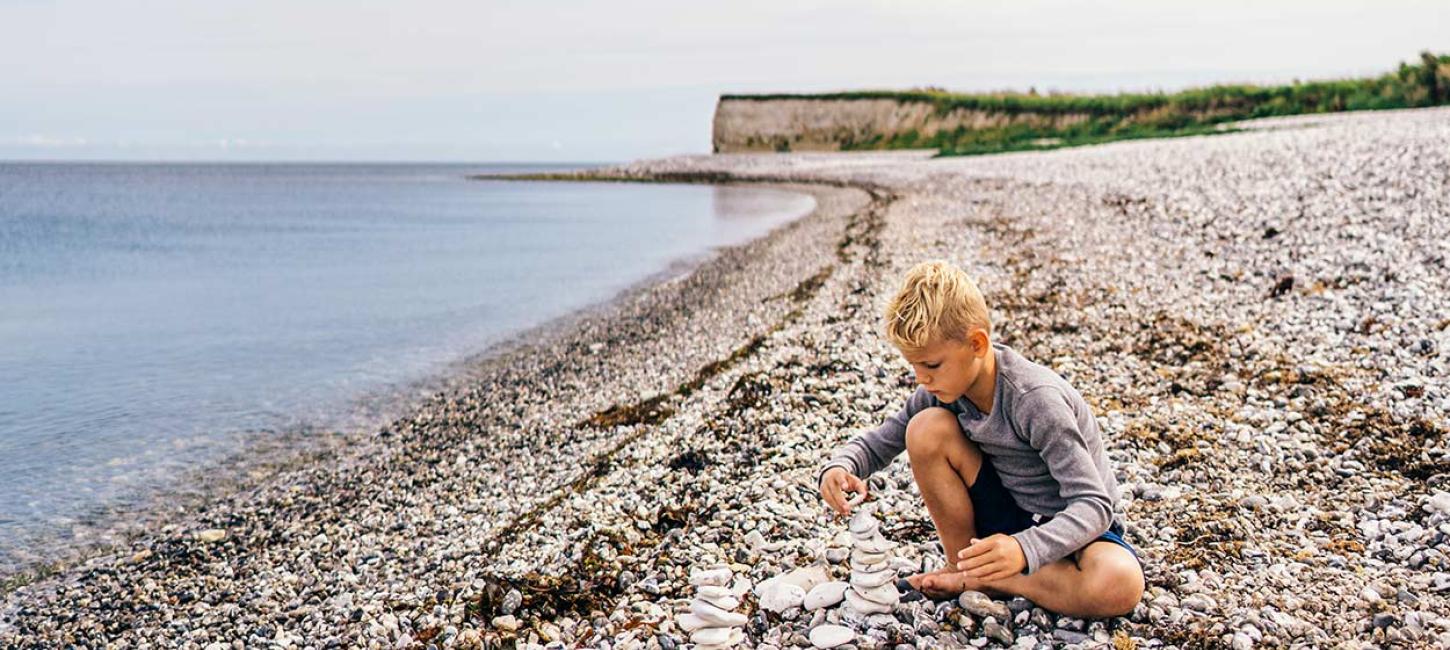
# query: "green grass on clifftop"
{"points": [[1032, 121]]}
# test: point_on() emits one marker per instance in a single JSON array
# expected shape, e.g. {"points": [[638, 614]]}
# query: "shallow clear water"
{"points": [[150, 313]]}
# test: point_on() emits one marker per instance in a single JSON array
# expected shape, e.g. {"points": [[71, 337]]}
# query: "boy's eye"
{"points": [[932, 366]]}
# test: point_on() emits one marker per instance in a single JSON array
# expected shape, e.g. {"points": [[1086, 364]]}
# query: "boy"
{"points": [[1007, 456]]}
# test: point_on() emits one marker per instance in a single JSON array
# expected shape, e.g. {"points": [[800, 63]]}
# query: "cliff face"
{"points": [[834, 124]]}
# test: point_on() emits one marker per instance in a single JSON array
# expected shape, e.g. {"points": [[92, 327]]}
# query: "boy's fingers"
{"points": [[977, 561], [831, 493], [973, 551], [982, 570]]}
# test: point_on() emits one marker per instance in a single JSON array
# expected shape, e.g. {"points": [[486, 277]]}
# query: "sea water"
{"points": [[152, 314]]}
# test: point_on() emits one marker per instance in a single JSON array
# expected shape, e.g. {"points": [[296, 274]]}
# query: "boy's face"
{"points": [[947, 368]]}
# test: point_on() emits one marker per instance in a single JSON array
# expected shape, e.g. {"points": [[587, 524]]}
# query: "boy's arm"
{"points": [[874, 449], [1052, 429]]}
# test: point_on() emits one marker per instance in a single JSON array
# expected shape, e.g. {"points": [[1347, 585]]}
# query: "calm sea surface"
{"points": [[152, 313]]}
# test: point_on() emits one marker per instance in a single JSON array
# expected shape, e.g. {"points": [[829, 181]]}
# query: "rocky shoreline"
{"points": [[1258, 319]]}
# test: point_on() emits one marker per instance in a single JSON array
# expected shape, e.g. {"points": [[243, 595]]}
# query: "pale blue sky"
{"points": [[601, 81]]}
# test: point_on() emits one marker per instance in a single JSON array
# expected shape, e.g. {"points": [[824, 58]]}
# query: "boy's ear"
{"points": [[979, 341]]}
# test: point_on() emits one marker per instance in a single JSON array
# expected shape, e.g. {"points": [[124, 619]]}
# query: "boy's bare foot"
{"points": [[948, 583]]}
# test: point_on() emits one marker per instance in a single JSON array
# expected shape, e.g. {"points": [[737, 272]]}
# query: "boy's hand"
{"points": [[996, 558], [834, 485]]}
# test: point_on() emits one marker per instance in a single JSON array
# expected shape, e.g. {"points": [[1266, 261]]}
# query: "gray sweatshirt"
{"points": [[1042, 439]]}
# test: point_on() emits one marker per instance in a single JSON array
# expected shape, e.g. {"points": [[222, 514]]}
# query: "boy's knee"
{"points": [[935, 433], [1120, 588], [927, 431]]}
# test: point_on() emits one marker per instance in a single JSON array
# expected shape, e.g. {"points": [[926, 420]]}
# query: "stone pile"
{"points": [[712, 622], [873, 581]]}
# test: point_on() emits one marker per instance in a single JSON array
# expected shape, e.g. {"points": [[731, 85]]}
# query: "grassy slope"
{"points": [[1145, 115]]}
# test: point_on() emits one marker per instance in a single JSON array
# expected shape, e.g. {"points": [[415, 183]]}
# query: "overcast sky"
{"points": [[602, 80]]}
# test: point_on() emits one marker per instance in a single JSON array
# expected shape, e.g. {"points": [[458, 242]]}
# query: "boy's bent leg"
{"points": [[945, 463], [1106, 581]]}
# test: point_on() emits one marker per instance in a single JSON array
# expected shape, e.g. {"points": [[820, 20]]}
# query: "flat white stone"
{"points": [[714, 616], [865, 533], [807, 577], [766, 585], [735, 637], [874, 545], [690, 622], [874, 579], [711, 577], [904, 564], [830, 636], [856, 537], [879, 567], [885, 594], [861, 605], [782, 596], [712, 635], [826, 595], [726, 603], [862, 522], [863, 558], [741, 587], [711, 592]]}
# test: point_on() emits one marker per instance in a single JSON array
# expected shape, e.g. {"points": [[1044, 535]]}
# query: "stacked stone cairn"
{"points": [[712, 622], [873, 581]]}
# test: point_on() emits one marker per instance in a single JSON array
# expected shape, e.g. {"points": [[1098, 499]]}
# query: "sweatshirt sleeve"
{"points": [[868, 452], [1051, 428]]}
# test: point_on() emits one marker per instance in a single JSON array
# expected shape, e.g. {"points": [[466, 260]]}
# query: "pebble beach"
{"points": [[1258, 318]]}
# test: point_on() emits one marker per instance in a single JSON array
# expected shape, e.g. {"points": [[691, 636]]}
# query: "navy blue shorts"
{"points": [[997, 512]]}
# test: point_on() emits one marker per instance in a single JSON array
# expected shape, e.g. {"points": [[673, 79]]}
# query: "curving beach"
{"points": [[1258, 319]]}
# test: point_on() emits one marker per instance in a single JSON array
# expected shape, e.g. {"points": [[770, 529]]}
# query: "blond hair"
{"points": [[936, 302]]}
